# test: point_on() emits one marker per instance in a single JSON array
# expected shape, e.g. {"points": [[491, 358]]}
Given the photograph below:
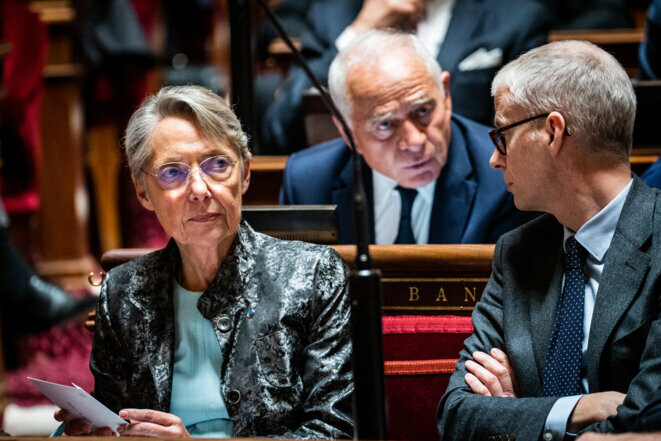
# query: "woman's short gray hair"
{"points": [[210, 113], [581, 81], [370, 47]]}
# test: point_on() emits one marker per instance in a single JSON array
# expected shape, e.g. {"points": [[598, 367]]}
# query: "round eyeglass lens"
{"points": [[172, 175], [217, 167]]}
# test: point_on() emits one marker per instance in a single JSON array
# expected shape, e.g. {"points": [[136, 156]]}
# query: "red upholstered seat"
{"points": [[420, 353]]}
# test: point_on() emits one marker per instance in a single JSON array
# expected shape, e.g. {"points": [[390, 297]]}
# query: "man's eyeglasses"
{"points": [[172, 175], [498, 138]]}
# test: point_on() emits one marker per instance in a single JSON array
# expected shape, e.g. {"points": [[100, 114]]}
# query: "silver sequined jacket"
{"points": [[286, 367]]}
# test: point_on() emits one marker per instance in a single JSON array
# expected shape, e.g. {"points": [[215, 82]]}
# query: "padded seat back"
{"points": [[420, 353]]}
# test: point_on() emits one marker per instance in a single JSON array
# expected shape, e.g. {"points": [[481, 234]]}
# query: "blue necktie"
{"points": [[405, 233], [562, 370]]}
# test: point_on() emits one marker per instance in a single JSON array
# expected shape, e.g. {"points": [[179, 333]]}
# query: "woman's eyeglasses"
{"points": [[174, 174], [498, 138]]}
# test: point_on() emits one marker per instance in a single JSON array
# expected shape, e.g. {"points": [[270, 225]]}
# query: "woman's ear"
{"points": [[246, 176], [142, 193]]}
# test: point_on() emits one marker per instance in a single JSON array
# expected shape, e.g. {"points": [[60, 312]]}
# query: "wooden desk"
{"points": [[428, 279], [266, 174]]}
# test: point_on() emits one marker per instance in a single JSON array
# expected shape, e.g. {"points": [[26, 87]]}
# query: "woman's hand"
{"points": [[146, 422], [79, 427]]}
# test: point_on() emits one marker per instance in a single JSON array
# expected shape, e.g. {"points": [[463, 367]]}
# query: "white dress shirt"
{"points": [[595, 236], [431, 31], [387, 210]]}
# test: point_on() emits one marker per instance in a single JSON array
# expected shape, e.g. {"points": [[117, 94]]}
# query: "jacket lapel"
{"points": [[159, 321], [625, 268], [342, 197], [454, 192], [544, 288]]}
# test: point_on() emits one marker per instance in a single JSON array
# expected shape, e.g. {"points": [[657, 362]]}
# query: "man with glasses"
{"points": [[567, 335], [428, 179]]}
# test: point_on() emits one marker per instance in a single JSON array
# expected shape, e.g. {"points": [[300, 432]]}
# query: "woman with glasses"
{"points": [[225, 332]]}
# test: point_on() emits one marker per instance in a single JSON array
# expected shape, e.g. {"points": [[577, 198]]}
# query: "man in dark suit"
{"points": [[568, 330], [470, 39], [397, 101]]}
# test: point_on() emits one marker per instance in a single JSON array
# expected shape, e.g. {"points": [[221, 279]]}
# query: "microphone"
{"points": [[364, 284]]}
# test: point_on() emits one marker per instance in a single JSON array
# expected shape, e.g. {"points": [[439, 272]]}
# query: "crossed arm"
{"points": [[491, 375]]}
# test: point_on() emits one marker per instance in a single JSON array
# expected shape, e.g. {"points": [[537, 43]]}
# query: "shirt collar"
{"points": [[383, 185], [596, 234]]}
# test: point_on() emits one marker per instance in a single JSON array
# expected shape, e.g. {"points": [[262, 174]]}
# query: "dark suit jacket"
{"points": [[286, 369], [514, 26], [650, 418], [471, 202], [516, 315]]}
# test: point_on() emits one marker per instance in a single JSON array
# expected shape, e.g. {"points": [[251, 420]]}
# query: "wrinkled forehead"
{"points": [[177, 139], [397, 81]]}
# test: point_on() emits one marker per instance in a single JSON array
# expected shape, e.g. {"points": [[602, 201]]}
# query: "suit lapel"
{"points": [[342, 197], [466, 16], [544, 288], [454, 192], [625, 268]]}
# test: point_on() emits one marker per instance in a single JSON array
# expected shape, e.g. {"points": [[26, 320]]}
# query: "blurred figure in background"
{"points": [[471, 39]]}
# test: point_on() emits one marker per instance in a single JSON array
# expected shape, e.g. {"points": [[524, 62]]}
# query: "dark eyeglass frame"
{"points": [[231, 162], [498, 139]]}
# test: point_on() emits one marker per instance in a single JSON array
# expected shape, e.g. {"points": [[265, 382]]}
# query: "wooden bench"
{"points": [[266, 174]]}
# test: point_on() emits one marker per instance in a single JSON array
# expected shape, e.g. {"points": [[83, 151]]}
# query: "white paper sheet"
{"points": [[79, 404]]}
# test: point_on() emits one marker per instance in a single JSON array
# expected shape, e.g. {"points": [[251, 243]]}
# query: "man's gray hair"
{"points": [[369, 48], [210, 113], [581, 81]]}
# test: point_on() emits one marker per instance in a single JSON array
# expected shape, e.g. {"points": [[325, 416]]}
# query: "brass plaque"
{"points": [[431, 295]]}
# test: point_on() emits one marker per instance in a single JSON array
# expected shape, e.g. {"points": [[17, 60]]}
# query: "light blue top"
{"points": [[595, 236], [196, 396]]}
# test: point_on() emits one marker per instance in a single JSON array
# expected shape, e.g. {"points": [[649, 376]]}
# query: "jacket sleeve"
{"points": [[643, 386], [107, 362], [327, 374], [468, 416]]}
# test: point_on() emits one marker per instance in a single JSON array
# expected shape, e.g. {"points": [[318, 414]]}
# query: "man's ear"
{"points": [[246, 176], [344, 135], [142, 193], [555, 130], [445, 82]]}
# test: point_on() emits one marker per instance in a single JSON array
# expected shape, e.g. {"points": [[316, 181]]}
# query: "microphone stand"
{"points": [[241, 72], [364, 285]]}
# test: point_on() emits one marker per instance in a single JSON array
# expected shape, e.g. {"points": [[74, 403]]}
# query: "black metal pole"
{"points": [[241, 54], [369, 397]]}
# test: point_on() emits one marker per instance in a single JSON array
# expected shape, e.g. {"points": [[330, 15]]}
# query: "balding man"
{"points": [[567, 335], [428, 179]]}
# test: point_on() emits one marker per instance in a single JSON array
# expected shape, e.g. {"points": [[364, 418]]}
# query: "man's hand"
{"points": [[491, 375], [145, 422], [380, 14], [591, 436], [79, 427], [592, 408]]}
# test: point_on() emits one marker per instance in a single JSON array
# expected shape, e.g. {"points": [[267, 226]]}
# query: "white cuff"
{"points": [[556, 421]]}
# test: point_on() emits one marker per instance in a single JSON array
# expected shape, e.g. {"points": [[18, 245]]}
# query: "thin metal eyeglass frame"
{"points": [[228, 158], [497, 137]]}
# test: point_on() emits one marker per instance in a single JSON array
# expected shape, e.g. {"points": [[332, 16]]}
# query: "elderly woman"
{"points": [[225, 332]]}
